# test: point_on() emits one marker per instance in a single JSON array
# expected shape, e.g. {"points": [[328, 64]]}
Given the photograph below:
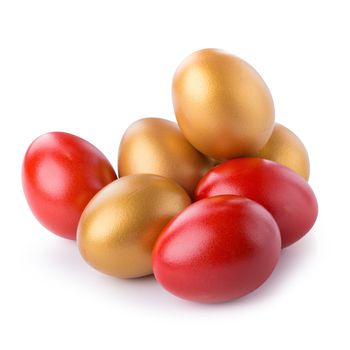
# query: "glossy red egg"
{"points": [[61, 173], [284, 193], [217, 249]]}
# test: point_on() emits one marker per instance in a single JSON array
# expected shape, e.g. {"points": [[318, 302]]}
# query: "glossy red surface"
{"points": [[217, 249], [60, 174], [285, 194]]}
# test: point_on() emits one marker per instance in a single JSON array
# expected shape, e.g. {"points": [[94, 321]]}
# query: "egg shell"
{"points": [[284, 193], [119, 226], [222, 105], [286, 148], [61, 172], [157, 146], [217, 249]]}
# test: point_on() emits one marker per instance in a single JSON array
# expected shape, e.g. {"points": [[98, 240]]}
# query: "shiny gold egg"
{"points": [[286, 148], [222, 105], [157, 146], [120, 225]]}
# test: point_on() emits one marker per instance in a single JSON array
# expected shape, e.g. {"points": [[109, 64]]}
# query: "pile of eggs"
{"points": [[205, 205]]}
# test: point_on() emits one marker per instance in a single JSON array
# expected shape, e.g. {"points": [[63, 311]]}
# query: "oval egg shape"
{"points": [[285, 194], [157, 146], [217, 249], [119, 226], [222, 105], [61, 172], [286, 148]]}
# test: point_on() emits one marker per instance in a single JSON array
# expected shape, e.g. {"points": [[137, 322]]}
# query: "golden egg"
{"points": [[120, 225], [157, 146], [285, 147], [222, 105]]}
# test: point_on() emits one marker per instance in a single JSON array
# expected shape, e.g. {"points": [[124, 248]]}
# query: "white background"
{"points": [[93, 67]]}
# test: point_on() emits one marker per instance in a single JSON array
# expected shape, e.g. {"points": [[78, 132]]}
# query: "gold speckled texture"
{"points": [[120, 225], [222, 105], [286, 148], [157, 146]]}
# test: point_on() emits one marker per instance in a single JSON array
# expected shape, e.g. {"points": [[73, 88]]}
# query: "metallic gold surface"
{"points": [[118, 228], [285, 147], [222, 105], [157, 146]]}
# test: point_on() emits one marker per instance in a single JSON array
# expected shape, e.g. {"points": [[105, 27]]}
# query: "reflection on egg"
{"points": [[286, 148], [222, 105], [119, 226], [157, 146]]}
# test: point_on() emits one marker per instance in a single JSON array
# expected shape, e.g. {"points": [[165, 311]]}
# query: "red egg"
{"points": [[61, 173], [284, 193], [217, 249]]}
